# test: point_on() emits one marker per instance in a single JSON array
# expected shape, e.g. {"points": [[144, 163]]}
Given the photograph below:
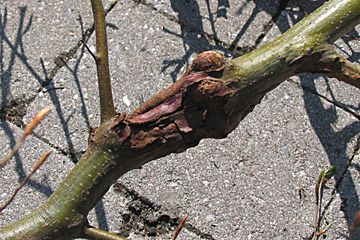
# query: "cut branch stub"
{"points": [[208, 63]]}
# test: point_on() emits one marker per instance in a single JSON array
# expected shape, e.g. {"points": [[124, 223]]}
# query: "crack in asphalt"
{"points": [[148, 218], [15, 110]]}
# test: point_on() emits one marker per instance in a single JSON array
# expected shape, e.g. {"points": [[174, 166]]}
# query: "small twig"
{"points": [[96, 233], [91, 53], [181, 225], [29, 128], [107, 111], [354, 38], [302, 9], [324, 230], [38, 164], [318, 191], [318, 197]]}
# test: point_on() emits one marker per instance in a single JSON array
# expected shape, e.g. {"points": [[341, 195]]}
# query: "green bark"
{"points": [[107, 110]]}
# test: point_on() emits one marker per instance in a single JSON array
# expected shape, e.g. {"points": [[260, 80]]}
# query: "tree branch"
{"points": [[107, 110], [95, 233], [209, 101], [327, 61]]}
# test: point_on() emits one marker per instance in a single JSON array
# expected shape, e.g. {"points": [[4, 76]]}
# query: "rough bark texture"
{"points": [[195, 107]]}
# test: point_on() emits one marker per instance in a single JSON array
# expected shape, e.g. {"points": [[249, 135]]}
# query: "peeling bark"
{"points": [[195, 107]]}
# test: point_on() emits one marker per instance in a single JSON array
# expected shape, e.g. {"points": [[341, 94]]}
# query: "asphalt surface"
{"points": [[256, 184]]}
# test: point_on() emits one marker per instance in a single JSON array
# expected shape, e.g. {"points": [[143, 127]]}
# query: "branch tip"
{"points": [[38, 164], [28, 130]]}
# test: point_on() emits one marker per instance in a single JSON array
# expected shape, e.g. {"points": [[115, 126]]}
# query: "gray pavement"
{"points": [[256, 184]]}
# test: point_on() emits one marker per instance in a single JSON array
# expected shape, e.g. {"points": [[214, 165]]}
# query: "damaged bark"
{"points": [[180, 116], [197, 106]]}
